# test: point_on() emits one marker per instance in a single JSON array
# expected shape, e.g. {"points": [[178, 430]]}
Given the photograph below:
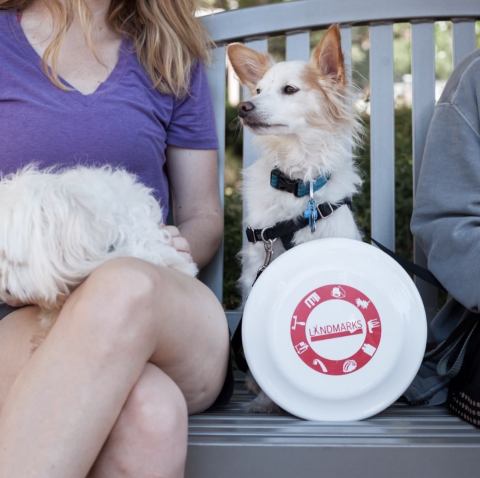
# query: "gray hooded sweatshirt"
{"points": [[446, 217]]}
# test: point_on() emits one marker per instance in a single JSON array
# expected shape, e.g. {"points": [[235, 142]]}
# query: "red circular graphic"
{"points": [[336, 332]]}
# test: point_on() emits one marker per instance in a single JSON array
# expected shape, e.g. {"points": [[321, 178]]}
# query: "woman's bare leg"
{"points": [[68, 396], [149, 438]]}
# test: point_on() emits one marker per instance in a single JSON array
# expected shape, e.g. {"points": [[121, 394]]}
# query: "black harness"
{"points": [[286, 229]]}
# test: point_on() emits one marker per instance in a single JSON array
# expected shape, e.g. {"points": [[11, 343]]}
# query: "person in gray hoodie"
{"points": [[446, 224]]}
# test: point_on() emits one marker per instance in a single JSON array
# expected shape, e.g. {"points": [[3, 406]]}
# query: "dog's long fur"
{"points": [[307, 133], [56, 227]]}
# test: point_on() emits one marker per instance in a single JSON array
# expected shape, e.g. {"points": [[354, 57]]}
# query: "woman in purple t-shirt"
{"points": [[136, 347]]}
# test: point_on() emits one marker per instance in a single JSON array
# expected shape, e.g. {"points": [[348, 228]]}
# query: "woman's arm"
{"points": [[197, 210]]}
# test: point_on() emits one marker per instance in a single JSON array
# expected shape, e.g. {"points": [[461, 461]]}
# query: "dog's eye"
{"points": [[258, 91], [290, 90]]}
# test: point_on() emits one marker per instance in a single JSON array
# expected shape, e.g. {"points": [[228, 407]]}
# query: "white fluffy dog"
{"points": [[306, 125], [56, 227]]}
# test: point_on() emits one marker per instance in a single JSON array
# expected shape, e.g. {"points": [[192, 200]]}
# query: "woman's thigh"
{"points": [[16, 331], [191, 338], [192, 344]]}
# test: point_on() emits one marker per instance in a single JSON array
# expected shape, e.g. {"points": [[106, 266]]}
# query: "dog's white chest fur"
{"points": [[267, 206]]}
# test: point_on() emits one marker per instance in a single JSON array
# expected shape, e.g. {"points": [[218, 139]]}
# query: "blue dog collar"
{"points": [[297, 187]]}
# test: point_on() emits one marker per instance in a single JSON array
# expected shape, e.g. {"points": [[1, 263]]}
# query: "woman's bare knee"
{"points": [[150, 436], [124, 284], [116, 304], [157, 410]]}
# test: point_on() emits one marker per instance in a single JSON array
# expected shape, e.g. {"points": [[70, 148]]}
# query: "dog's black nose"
{"points": [[245, 108]]}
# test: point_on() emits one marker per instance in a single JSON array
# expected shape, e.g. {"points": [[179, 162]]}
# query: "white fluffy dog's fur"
{"points": [[56, 227], [306, 126]]}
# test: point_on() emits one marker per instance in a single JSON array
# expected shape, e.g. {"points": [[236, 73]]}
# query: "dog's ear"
{"points": [[328, 57], [249, 65]]}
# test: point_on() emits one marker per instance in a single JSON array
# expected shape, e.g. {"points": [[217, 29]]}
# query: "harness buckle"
{"points": [[282, 182], [252, 230], [268, 245], [319, 209], [263, 237]]}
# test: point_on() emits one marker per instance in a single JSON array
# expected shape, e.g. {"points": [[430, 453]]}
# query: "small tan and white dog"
{"points": [[56, 227], [307, 126]]}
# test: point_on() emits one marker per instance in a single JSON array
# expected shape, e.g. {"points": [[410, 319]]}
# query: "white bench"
{"points": [[402, 441]]}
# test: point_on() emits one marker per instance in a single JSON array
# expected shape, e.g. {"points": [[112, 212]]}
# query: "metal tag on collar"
{"points": [[311, 212]]}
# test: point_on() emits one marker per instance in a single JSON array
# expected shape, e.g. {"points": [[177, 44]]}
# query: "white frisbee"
{"points": [[334, 330]]}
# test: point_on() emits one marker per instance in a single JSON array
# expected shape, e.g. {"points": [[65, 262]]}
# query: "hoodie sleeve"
{"points": [[446, 217]]}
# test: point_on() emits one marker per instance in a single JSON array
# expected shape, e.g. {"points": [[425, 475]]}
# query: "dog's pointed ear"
{"points": [[328, 57], [249, 65]]}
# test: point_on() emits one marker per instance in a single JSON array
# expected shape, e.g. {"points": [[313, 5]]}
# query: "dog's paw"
{"points": [[261, 404], [181, 265], [251, 384], [190, 269]]}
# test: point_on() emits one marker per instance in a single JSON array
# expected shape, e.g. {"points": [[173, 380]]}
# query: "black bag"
{"points": [[464, 392]]}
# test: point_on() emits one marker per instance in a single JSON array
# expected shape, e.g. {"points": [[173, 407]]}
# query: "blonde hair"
{"points": [[168, 39]]}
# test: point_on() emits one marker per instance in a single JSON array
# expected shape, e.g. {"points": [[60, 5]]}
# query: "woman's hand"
{"points": [[179, 243]]}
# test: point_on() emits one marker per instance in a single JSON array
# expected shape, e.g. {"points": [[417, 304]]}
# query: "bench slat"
{"points": [[281, 460], [346, 36], [212, 275], [382, 135], [298, 46], [400, 441], [463, 40], [279, 18], [250, 151], [423, 103]]}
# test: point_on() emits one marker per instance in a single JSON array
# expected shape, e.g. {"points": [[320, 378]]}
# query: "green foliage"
{"points": [[233, 244], [443, 50], [360, 56], [233, 210], [401, 50], [233, 133]]}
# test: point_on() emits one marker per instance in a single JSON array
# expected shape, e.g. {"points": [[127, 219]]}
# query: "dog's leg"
{"points": [[252, 259], [261, 404], [252, 256], [251, 384]]}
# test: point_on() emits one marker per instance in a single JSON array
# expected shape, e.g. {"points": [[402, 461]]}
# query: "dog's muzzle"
{"points": [[245, 108]]}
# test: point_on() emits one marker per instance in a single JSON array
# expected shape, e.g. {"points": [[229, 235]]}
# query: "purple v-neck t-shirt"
{"points": [[125, 123]]}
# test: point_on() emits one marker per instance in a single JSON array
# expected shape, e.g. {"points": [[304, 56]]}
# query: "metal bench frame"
{"points": [[401, 441]]}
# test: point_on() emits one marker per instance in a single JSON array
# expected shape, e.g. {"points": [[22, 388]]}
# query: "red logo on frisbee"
{"points": [[336, 329]]}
